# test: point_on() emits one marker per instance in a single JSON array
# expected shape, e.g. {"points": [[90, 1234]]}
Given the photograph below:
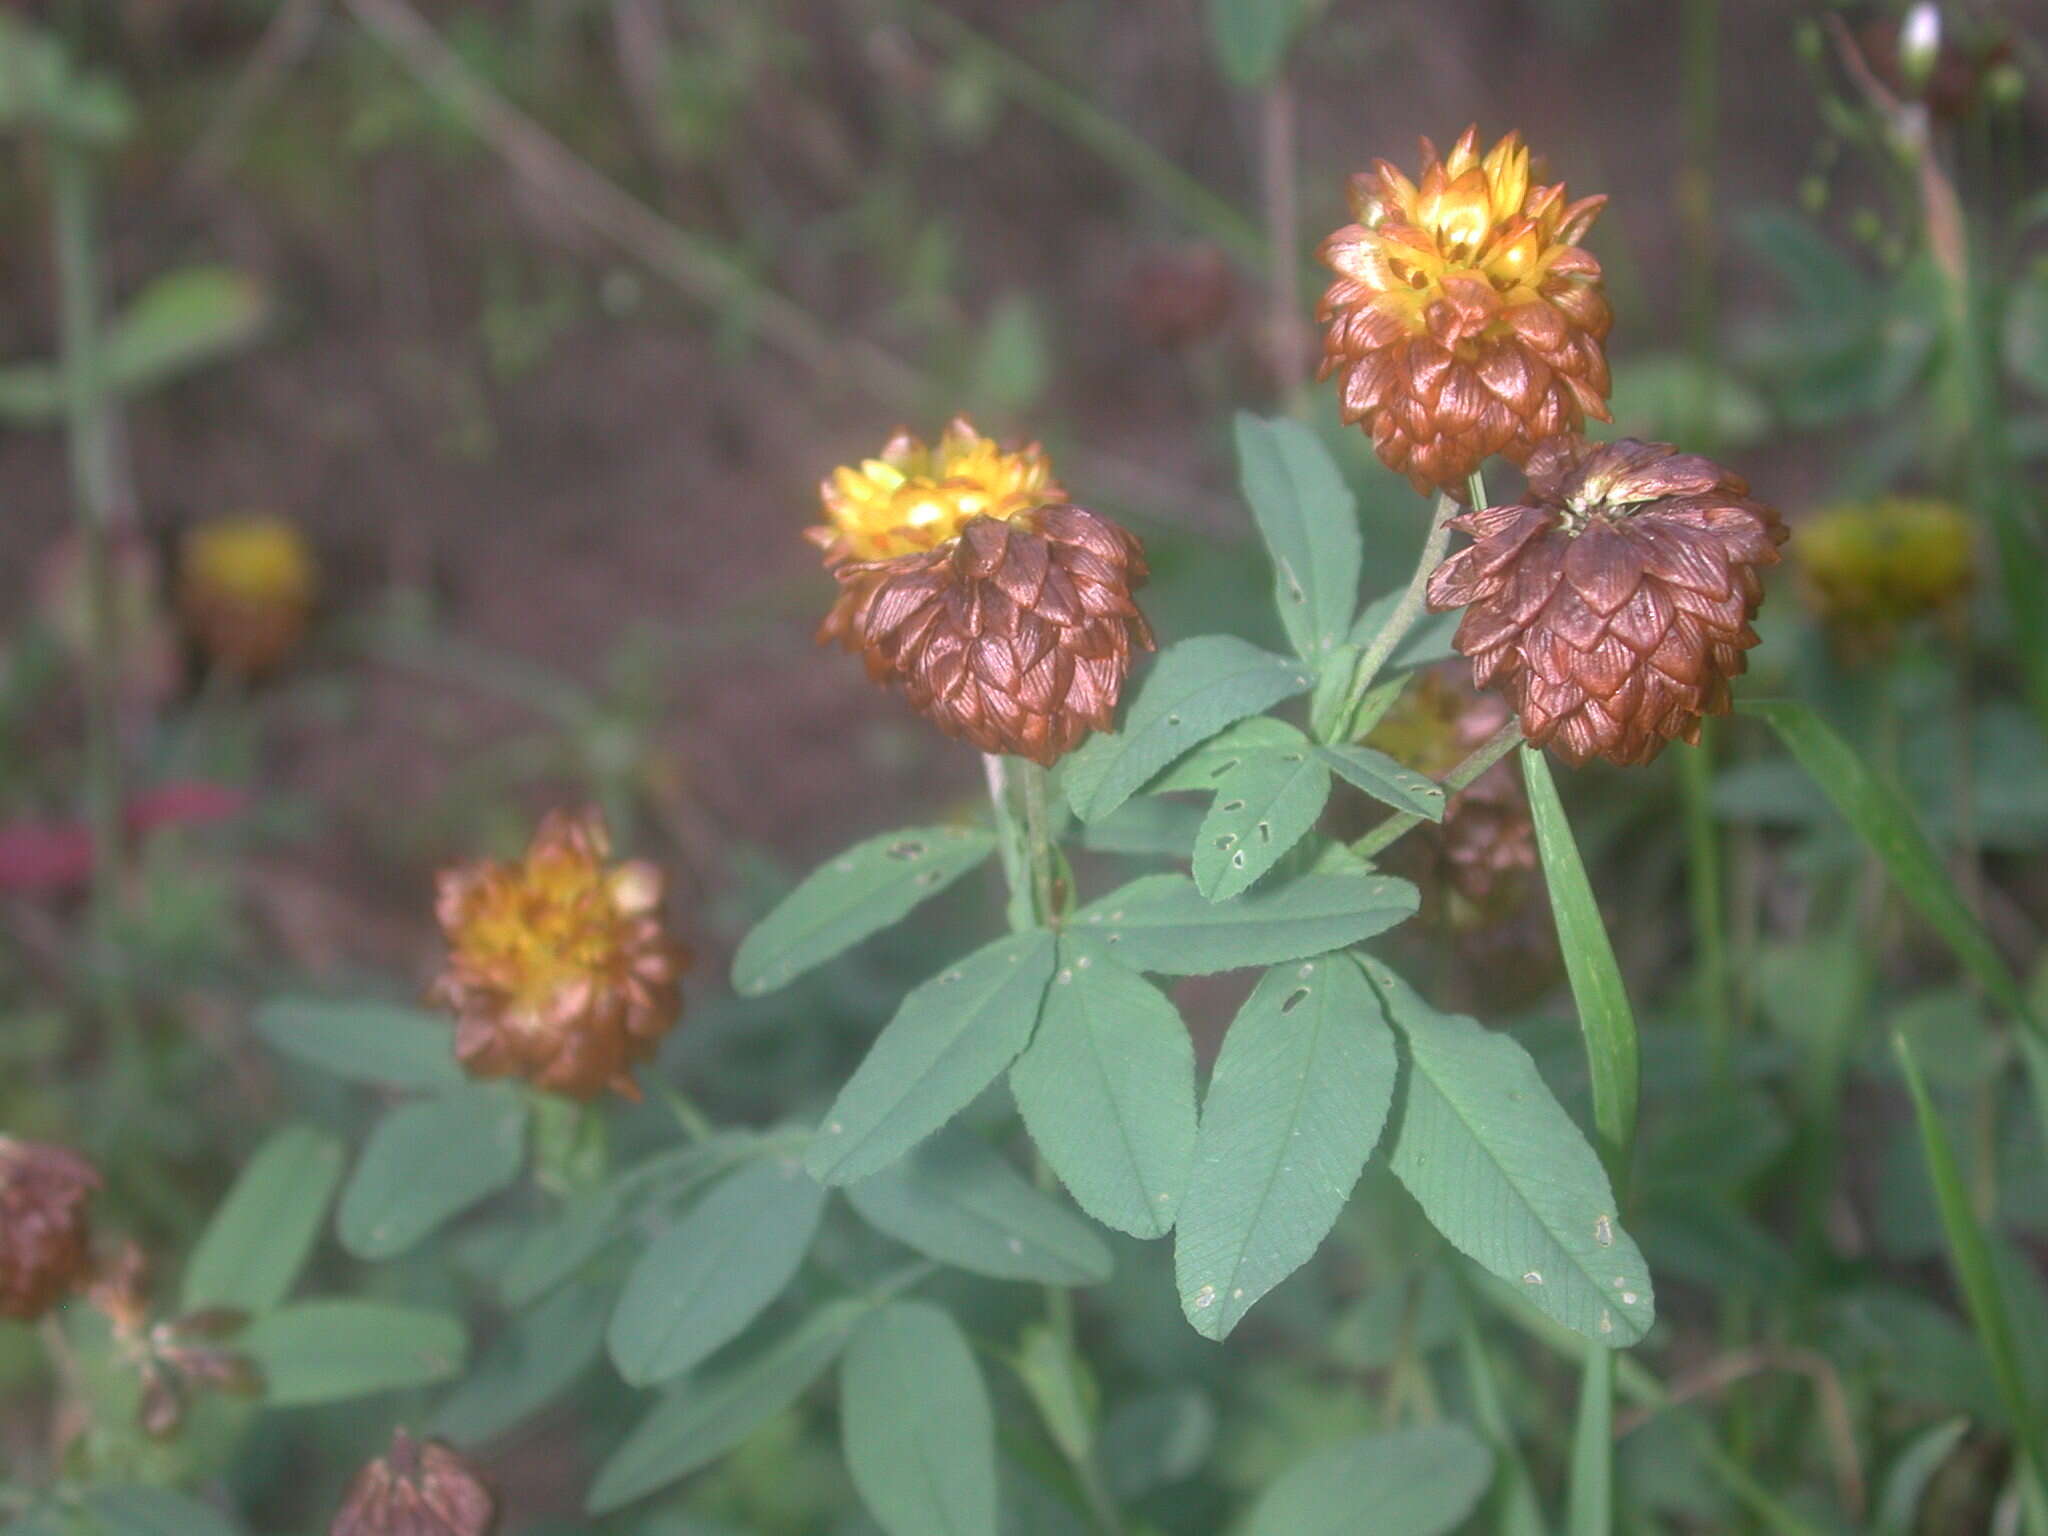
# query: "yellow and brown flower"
{"points": [[246, 587], [559, 970], [45, 1235], [417, 1488], [1465, 320], [1868, 567], [965, 575], [1611, 606]]}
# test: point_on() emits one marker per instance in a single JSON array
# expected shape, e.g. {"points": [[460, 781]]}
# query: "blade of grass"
{"points": [[1613, 1056], [1882, 817], [1635, 1382], [1970, 1256], [1590, 1506]]}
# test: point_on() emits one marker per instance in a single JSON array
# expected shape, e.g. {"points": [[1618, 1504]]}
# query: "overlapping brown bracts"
{"points": [[45, 1238], [1015, 636], [1465, 320], [1612, 605], [559, 970], [418, 1488]]}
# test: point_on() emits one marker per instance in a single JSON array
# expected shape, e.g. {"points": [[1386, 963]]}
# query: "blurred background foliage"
{"points": [[539, 320]]}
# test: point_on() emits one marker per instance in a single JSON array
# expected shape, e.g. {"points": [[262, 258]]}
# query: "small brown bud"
{"points": [[418, 1488], [1611, 606], [559, 970], [44, 1234]]}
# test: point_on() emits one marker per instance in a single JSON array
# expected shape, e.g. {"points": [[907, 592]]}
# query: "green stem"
{"points": [[1038, 844], [1483, 757], [1704, 892], [1409, 609], [1012, 844]]}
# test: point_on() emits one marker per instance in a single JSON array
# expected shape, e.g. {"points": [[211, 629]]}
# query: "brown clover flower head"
{"points": [[1465, 320], [559, 970], [45, 1238], [1013, 627], [1867, 567], [246, 587], [1611, 606], [417, 1488]]}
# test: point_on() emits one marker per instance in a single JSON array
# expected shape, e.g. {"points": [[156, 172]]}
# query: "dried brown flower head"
{"points": [[559, 970], [1465, 320], [417, 1488], [245, 588], [45, 1239], [175, 1357], [1011, 623], [1612, 605]]}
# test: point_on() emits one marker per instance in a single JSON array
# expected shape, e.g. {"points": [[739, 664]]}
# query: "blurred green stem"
{"points": [[1413, 598], [1278, 172], [1098, 130], [90, 440], [1704, 889], [1011, 844]]}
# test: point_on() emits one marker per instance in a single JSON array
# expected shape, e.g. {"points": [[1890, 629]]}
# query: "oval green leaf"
{"points": [[1305, 512], [428, 1162], [704, 1416], [1107, 1090], [1387, 781], [1194, 690], [919, 1433], [1263, 807], [329, 1351], [859, 893], [956, 1200], [529, 1365], [949, 1040], [1416, 1482], [378, 1043], [251, 1253], [1163, 924], [1295, 1107], [1502, 1171], [704, 1279]]}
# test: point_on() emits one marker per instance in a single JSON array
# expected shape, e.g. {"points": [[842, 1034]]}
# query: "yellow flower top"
{"points": [[916, 496], [1458, 253], [1878, 563], [557, 927], [257, 558]]}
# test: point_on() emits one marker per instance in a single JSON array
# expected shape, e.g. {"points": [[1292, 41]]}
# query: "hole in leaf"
{"points": [[909, 848], [1232, 805], [1293, 1000]]}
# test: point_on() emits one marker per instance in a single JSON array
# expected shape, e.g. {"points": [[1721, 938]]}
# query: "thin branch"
{"points": [[1837, 1425], [285, 43]]}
